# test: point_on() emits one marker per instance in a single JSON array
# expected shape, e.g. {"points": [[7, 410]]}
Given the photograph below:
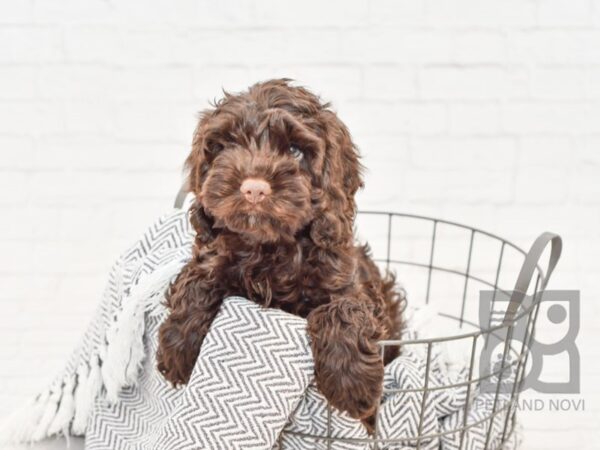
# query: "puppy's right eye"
{"points": [[214, 148], [296, 152]]}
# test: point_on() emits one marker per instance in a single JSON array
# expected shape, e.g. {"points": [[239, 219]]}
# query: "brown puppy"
{"points": [[274, 173]]}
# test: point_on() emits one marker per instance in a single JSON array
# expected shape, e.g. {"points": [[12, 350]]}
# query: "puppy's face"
{"points": [[261, 172], [272, 161]]}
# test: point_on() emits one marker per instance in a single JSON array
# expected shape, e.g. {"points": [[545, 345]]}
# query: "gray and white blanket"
{"points": [[252, 386]]}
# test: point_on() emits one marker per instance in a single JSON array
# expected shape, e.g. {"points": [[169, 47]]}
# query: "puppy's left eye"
{"points": [[296, 152]]}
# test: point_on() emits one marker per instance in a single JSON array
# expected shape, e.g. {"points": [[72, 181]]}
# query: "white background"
{"points": [[483, 112]]}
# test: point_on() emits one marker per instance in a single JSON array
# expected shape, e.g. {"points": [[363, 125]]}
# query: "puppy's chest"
{"points": [[280, 282], [270, 279], [295, 291]]}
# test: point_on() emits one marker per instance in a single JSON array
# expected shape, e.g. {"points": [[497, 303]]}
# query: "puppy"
{"points": [[274, 173]]}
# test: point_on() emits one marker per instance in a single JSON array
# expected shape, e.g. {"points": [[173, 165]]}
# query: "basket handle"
{"points": [[182, 194], [527, 270]]}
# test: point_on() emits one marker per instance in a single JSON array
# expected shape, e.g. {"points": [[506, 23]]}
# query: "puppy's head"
{"points": [[270, 162]]}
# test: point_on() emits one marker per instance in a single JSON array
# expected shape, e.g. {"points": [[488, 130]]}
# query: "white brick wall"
{"points": [[482, 111]]}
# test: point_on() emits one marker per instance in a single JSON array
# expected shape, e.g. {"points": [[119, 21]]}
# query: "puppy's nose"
{"points": [[255, 190]]}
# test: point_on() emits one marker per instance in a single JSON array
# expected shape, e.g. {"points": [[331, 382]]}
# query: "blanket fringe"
{"points": [[81, 402], [20, 425], [66, 410], [68, 404], [54, 411], [125, 337], [50, 409], [125, 350], [88, 388]]}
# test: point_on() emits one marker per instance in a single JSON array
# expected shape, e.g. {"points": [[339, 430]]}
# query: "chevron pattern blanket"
{"points": [[252, 387]]}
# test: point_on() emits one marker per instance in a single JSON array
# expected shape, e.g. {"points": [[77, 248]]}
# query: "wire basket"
{"points": [[448, 264]]}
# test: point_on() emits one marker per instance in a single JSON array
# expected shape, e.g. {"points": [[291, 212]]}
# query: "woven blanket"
{"points": [[252, 386]]}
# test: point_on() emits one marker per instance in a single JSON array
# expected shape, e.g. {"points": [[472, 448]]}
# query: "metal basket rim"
{"points": [[473, 334]]}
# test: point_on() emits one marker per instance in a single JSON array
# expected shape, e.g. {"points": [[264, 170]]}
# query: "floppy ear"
{"points": [[197, 161], [341, 178], [197, 165], [202, 223]]}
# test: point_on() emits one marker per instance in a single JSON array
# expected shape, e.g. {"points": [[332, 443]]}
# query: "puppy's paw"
{"points": [[354, 386], [348, 364]]}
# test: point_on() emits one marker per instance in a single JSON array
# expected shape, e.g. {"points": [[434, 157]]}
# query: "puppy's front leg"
{"points": [[194, 302], [348, 365]]}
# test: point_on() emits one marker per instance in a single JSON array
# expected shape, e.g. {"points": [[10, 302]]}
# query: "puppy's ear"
{"points": [[197, 165], [341, 178], [202, 223], [197, 161]]}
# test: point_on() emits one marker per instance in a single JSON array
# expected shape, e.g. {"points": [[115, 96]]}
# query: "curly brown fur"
{"points": [[294, 250]]}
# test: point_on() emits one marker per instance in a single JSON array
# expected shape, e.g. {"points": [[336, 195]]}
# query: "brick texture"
{"points": [[486, 112]]}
